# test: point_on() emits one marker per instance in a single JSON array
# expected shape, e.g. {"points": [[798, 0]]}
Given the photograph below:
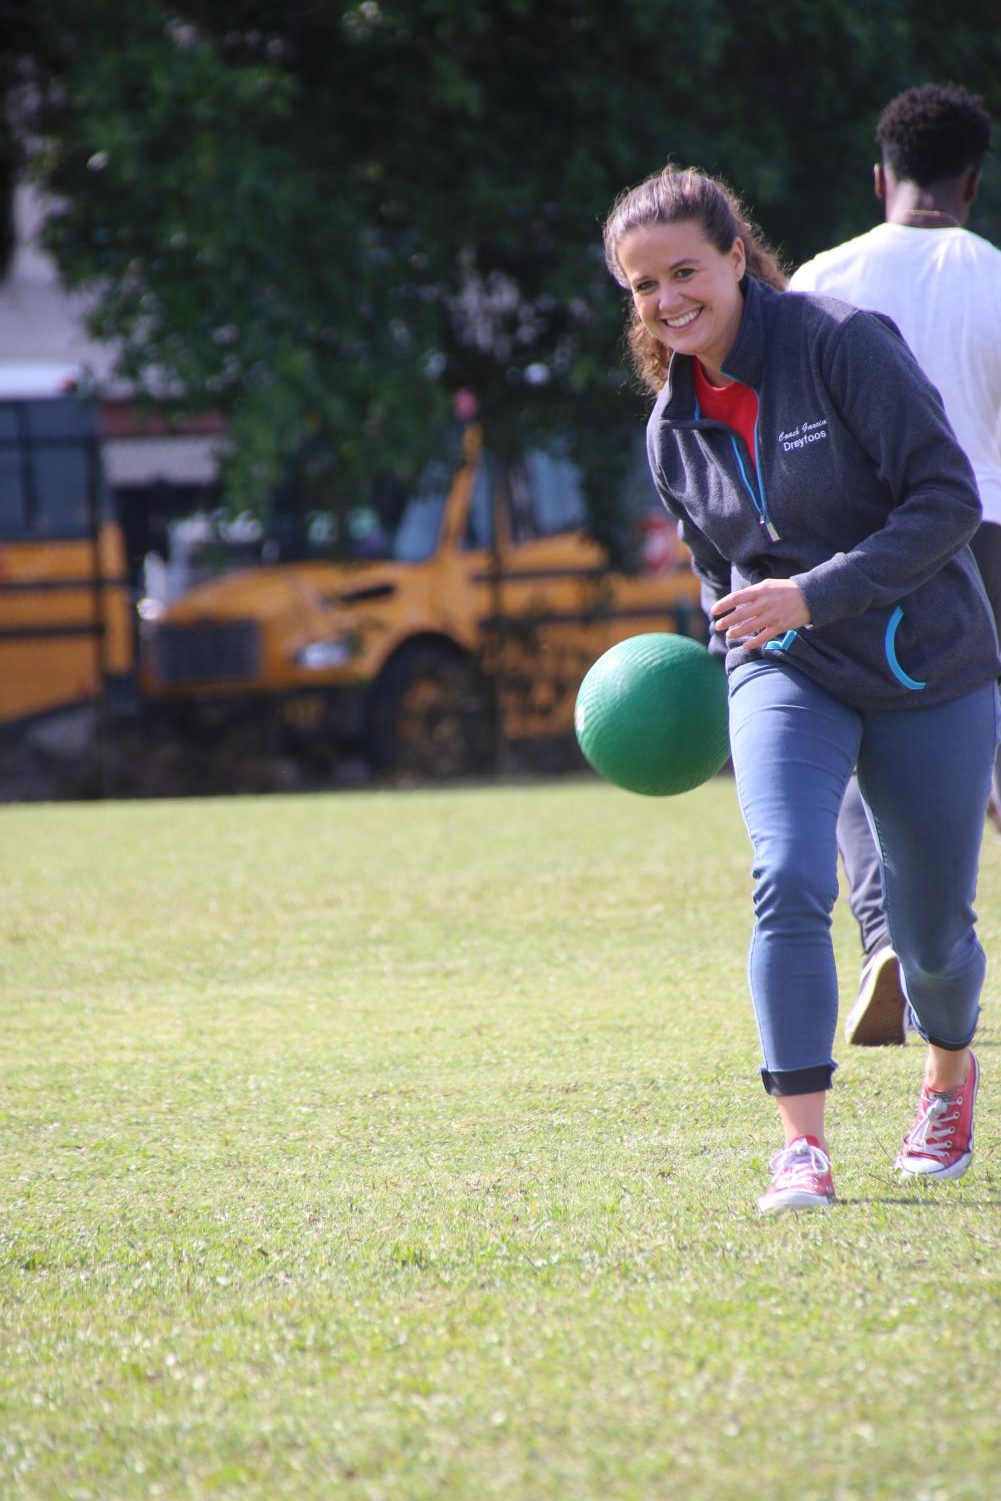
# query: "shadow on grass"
{"points": [[926, 1201]]}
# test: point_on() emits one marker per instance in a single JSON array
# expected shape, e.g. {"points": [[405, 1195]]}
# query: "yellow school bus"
{"points": [[66, 617], [469, 626]]}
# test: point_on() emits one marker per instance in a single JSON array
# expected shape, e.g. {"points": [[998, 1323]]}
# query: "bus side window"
{"points": [[12, 496], [63, 477], [555, 493], [480, 522], [51, 482]]}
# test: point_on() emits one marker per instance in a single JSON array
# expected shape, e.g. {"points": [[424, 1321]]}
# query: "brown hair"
{"points": [[674, 194]]}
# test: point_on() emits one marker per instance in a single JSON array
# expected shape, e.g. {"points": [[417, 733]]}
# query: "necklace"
{"points": [[927, 213]]}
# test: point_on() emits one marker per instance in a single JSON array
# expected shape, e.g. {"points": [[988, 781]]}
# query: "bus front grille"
{"points": [[206, 653]]}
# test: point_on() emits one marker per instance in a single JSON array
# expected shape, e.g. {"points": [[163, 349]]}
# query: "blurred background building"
{"points": [[159, 467]]}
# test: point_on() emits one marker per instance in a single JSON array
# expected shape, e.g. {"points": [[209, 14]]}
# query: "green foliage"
{"points": [[325, 218], [406, 1146]]}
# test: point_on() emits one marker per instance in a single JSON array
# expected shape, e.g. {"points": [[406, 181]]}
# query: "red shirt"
{"points": [[735, 404]]}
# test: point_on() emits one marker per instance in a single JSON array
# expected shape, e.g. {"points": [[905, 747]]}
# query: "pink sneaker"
{"points": [[801, 1178], [940, 1142]]}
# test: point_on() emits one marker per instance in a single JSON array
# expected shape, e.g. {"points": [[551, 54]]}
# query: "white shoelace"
{"points": [[932, 1134], [799, 1163]]}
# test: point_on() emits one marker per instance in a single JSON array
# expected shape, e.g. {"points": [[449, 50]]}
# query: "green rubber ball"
{"points": [[651, 714]]}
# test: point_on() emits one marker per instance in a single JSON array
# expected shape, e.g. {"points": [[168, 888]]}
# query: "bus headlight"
{"points": [[319, 656]]}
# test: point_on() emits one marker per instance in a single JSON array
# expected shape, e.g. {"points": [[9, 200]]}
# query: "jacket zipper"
{"points": [[755, 488], [757, 494]]}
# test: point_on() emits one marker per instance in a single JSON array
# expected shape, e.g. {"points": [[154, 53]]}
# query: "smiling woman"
{"points": [[828, 510], [686, 293], [708, 217]]}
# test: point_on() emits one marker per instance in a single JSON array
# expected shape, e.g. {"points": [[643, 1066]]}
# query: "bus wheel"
{"points": [[430, 716]]}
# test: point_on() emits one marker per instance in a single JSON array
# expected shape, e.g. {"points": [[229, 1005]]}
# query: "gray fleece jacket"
{"points": [[858, 491]]}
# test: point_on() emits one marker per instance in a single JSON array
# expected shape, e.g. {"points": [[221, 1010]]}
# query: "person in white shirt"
{"points": [[941, 284]]}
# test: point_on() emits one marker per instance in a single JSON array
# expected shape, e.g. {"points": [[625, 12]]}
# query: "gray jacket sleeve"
{"points": [[896, 415]]}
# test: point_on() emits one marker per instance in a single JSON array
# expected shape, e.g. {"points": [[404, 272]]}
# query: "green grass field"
{"points": [[405, 1145]]}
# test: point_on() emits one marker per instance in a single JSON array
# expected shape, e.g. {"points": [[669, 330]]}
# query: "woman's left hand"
{"points": [[755, 615]]}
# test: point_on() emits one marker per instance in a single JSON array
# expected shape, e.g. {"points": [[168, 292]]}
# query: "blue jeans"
{"points": [[925, 775]]}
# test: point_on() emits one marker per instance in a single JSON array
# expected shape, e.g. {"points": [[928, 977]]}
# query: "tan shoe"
{"points": [[878, 1018], [994, 812]]}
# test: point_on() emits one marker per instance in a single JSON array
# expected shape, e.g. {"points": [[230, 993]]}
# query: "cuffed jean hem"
{"points": [[798, 1080], [947, 1047]]}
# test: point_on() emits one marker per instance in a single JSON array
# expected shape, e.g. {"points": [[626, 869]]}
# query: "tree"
{"points": [[325, 217]]}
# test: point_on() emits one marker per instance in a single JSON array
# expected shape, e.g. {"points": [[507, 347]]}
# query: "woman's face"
{"points": [[685, 291]]}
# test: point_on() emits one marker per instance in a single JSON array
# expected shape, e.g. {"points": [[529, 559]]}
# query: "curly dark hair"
{"points": [[930, 133]]}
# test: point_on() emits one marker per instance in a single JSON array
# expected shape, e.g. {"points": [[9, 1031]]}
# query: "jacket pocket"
{"points": [[781, 643], [901, 651]]}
